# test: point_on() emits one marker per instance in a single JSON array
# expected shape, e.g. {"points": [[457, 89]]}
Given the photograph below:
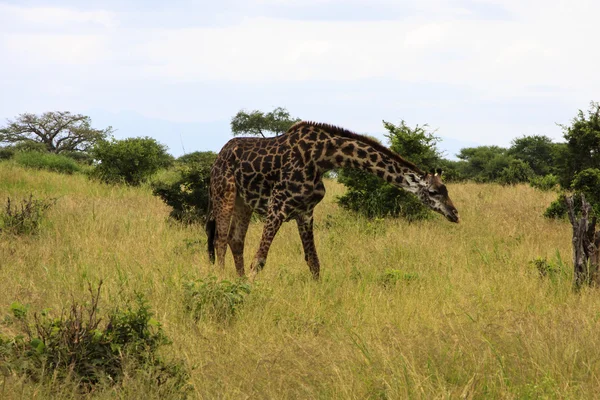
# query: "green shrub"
{"points": [[129, 161], [484, 163], [79, 156], [30, 146], [47, 161], [24, 218], [213, 299], [374, 198], [554, 271], [518, 171], [6, 153], [186, 188], [370, 196], [206, 158], [582, 148], [544, 183], [558, 208], [77, 344], [586, 182]]}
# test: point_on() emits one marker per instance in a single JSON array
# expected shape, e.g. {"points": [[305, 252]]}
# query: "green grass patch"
{"points": [[215, 299]]}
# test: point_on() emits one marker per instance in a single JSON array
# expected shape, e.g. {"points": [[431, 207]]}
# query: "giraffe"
{"points": [[280, 178]]}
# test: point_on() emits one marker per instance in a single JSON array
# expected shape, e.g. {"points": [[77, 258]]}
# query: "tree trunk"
{"points": [[586, 243]]}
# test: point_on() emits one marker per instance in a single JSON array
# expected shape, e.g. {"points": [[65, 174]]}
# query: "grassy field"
{"points": [[424, 310]]}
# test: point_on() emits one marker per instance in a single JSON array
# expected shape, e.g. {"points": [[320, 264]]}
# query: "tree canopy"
{"points": [[59, 131], [258, 123], [537, 151], [583, 144], [130, 160]]}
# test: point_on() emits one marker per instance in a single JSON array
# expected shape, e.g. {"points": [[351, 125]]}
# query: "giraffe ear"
{"points": [[439, 172]]}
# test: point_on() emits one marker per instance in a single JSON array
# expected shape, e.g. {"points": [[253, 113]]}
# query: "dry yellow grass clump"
{"points": [[422, 310]]}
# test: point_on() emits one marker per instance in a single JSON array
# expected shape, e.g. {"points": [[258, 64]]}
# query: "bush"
{"points": [[47, 161], [582, 148], [518, 171], [586, 182], [484, 163], [24, 218], [558, 208], [554, 271], [453, 170], [374, 198], [544, 183], [129, 161], [186, 190], [77, 345], [213, 299], [370, 196], [6, 153], [79, 156]]}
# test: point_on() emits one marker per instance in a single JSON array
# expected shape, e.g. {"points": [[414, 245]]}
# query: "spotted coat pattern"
{"points": [[280, 178]]}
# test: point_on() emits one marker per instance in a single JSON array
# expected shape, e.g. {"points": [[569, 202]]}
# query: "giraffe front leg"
{"points": [[272, 225], [305, 228]]}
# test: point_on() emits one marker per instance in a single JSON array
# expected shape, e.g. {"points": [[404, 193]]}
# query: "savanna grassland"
{"points": [[423, 310]]}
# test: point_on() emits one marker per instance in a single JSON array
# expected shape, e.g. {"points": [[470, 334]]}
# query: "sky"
{"points": [[478, 72]]}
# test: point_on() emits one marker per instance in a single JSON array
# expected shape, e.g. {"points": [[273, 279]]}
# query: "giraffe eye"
{"points": [[433, 193]]}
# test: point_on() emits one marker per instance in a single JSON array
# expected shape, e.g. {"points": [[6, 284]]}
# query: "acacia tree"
{"points": [[258, 123], [59, 131]]}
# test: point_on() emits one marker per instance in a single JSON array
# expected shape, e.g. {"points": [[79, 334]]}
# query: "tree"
{"points": [[372, 197], [537, 151], [583, 144], [579, 161], [130, 160], [59, 131], [257, 123], [483, 163], [517, 171]]}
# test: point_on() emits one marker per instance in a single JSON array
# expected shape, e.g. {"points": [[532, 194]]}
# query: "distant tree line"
{"points": [[66, 142]]}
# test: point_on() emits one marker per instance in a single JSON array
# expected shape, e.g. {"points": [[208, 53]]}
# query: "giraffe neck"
{"points": [[354, 153]]}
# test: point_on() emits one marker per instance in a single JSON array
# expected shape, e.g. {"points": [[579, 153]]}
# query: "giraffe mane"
{"points": [[338, 131]]}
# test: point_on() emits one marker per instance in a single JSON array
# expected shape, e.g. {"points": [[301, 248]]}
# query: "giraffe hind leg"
{"points": [[223, 207], [237, 234]]}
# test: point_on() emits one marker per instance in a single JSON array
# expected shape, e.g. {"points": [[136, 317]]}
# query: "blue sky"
{"points": [[480, 72]]}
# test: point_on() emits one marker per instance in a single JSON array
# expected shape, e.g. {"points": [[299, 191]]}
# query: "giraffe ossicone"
{"points": [[280, 178]]}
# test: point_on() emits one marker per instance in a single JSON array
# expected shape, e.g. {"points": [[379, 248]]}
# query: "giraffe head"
{"points": [[435, 195]]}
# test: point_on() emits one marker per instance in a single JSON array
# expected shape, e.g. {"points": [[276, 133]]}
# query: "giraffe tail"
{"points": [[211, 230]]}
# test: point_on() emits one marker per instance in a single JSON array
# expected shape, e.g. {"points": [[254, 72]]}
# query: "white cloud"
{"points": [[536, 50], [55, 17], [54, 49], [491, 56]]}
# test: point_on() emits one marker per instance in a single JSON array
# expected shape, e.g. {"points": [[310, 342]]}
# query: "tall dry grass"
{"points": [[422, 310]]}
